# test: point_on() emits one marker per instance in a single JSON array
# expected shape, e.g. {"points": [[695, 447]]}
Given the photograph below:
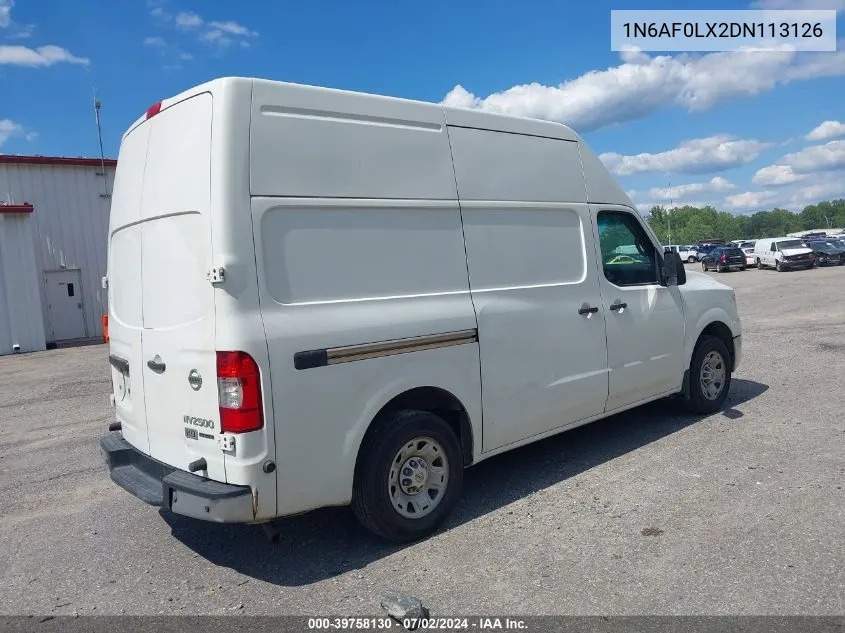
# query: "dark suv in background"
{"points": [[724, 258]]}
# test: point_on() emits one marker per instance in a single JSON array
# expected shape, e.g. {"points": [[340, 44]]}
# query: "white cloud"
{"points": [[8, 129], [750, 200], [155, 42], [679, 191], [216, 36], [817, 187], [219, 33], [828, 129], [716, 183], [817, 157], [38, 57], [6, 7], [776, 175], [188, 20], [642, 85], [696, 156], [233, 28], [31, 136]]}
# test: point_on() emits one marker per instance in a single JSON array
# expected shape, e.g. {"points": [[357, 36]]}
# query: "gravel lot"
{"points": [[652, 511]]}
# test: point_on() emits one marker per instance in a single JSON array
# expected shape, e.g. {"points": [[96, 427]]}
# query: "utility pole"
{"points": [[669, 212], [100, 138]]}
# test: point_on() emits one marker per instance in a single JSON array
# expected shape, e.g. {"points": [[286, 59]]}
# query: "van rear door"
{"points": [[178, 350], [124, 273]]}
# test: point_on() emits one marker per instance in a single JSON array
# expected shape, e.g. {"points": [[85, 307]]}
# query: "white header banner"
{"points": [[706, 30]]}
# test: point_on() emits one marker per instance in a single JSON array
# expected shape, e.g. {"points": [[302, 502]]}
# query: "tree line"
{"points": [[690, 224]]}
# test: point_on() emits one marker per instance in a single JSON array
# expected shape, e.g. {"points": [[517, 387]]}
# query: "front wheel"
{"points": [[690, 259], [759, 264], [709, 376], [778, 267], [409, 476]]}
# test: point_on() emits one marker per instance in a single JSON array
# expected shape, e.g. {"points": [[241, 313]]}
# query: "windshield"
{"points": [[790, 244]]}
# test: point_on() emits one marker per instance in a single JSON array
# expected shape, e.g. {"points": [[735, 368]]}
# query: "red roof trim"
{"points": [[55, 160], [16, 208]]}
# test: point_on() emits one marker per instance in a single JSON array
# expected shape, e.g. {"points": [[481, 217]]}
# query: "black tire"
{"points": [[719, 268], [696, 401], [704, 266], [371, 501], [690, 259], [778, 267], [759, 264], [742, 268]]}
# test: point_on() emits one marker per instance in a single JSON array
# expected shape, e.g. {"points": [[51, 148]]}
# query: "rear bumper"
{"points": [[176, 490]]}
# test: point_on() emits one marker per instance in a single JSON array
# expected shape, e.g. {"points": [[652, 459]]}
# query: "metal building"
{"points": [[54, 215]]}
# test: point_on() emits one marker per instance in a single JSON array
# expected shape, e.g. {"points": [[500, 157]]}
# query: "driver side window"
{"points": [[628, 256]]}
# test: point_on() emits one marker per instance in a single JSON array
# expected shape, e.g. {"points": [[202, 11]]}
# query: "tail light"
{"points": [[239, 393], [724, 258], [105, 328]]}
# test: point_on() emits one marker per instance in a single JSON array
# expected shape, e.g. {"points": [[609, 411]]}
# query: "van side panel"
{"points": [[359, 242], [532, 268], [326, 143]]}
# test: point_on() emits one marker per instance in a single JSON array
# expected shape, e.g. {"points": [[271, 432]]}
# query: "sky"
{"points": [[742, 131]]}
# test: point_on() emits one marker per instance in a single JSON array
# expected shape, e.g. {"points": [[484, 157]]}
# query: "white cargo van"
{"points": [[783, 253], [320, 297]]}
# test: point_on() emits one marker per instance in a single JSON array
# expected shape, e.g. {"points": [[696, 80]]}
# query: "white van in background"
{"points": [[783, 253], [320, 297], [686, 251]]}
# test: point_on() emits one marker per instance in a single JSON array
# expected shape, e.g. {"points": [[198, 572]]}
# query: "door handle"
{"points": [[156, 365], [618, 306], [587, 309]]}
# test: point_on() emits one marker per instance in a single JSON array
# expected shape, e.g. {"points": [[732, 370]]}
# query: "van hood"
{"points": [[699, 281], [796, 251]]}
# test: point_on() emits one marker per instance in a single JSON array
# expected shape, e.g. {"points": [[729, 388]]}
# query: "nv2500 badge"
{"points": [[203, 422]]}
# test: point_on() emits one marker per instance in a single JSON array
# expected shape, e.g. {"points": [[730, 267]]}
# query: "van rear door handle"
{"points": [[587, 309], [156, 365], [618, 306]]}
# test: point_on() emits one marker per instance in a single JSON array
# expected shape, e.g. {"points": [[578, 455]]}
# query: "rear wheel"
{"points": [[719, 268], [409, 476], [691, 259], [704, 266], [709, 376]]}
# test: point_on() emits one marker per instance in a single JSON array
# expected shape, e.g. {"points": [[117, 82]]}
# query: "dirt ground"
{"points": [[649, 512]]}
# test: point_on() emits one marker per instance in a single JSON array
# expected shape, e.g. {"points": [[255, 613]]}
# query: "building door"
{"points": [[64, 305]]}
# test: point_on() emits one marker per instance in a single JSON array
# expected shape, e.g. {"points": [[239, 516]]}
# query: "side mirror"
{"points": [[674, 273]]}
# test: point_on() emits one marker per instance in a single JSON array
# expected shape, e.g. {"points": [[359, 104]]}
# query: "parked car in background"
{"points": [[749, 255], [703, 249], [724, 258], [686, 251], [783, 253], [827, 252]]}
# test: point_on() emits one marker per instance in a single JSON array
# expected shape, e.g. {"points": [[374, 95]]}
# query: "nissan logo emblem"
{"points": [[195, 380]]}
